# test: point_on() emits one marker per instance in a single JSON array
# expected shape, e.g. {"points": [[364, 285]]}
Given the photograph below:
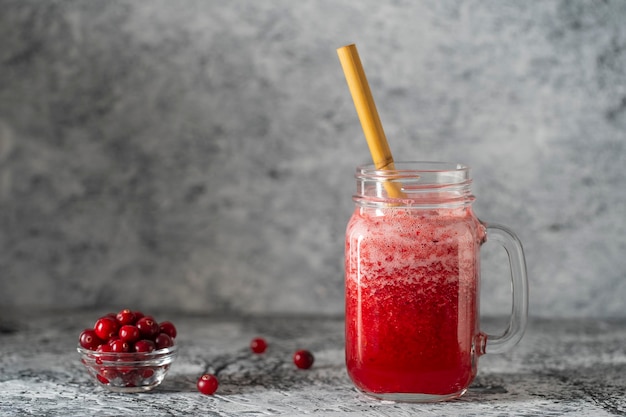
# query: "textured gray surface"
{"points": [[562, 367], [203, 151]]}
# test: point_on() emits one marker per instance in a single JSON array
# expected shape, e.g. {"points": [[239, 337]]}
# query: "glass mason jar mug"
{"points": [[412, 283]]}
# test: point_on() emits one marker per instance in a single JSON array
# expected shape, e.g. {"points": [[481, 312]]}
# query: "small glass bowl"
{"points": [[128, 372]]}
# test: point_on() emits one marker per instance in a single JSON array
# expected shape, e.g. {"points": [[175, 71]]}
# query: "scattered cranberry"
{"points": [[258, 345], [168, 328], [126, 316], [207, 384], [163, 340], [129, 333], [106, 327], [144, 346], [303, 359], [89, 339], [148, 327]]}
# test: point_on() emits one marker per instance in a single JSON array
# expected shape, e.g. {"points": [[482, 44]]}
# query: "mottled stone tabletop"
{"points": [[561, 367]]}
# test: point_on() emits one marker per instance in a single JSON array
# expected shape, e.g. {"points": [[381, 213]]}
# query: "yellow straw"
{"points": [[367, 113]]}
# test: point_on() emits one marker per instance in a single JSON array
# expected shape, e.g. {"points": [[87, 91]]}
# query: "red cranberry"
{"points": [[148, 327], [104, 348], [119, 346], [112, 340], [106, 328], [168, 328], [138, 315], [142, 346], [102, 379], [129, 377], [108, 374], [303, 359], [126, 316], [258, 345], [129, 333], [207, 384], [89, 339], [163, 340]]}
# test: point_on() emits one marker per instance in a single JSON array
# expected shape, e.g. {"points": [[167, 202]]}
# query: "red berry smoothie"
{"points": [[412, 300]]}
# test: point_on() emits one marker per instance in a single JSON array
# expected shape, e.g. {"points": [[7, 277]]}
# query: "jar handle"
{"points": [[519, 286]]}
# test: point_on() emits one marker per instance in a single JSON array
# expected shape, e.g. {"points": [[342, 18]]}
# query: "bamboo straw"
{"points": [[367, 113]]}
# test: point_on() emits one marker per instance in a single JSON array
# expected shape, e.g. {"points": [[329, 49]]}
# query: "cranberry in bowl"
{"points": [[128, 353]]}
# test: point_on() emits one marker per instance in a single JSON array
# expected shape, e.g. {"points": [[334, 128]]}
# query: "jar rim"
{"points": [[427, 166], [426, 172]]}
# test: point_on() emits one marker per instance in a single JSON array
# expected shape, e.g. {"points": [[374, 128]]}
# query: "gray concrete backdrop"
{"points": [[199, 154]]}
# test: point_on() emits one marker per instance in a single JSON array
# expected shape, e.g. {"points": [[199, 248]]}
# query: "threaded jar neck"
{"points": [[421, 185]]}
